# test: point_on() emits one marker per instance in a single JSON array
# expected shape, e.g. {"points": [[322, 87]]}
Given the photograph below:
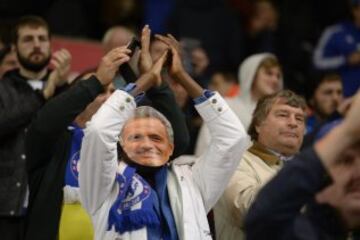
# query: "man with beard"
{"points": [[22, 92], [326, 102]]}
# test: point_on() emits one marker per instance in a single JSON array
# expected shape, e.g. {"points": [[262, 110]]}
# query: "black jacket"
{"points": [[48, 145], [18, 103], [278, 211]]}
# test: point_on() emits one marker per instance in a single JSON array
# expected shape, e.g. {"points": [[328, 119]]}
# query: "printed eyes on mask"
{"points": [[140, 137]]}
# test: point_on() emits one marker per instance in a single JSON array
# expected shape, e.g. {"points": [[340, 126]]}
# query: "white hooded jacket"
{"points": [[242, 105]]}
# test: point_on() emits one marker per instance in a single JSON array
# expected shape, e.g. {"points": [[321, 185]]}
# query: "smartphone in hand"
{"points": [[134, 46], [126, 70]]}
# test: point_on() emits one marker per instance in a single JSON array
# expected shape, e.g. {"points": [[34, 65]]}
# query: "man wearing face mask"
{"points": [[22, 92], [139, 194], [54, 143], [317, 195]]}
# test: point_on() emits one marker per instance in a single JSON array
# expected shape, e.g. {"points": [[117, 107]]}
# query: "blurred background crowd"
{"points": [[244, 49], [226, 30]]}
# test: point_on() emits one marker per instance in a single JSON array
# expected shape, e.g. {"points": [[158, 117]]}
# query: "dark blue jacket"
{"points": [[285, 207], [335, 45]]}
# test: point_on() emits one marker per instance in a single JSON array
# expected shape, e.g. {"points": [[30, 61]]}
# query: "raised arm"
{"points": [[53, 119], [98, 157], [213, 169], [163, 99]]}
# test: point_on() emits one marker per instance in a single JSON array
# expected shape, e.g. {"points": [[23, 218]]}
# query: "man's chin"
{"points": [[35, 63], [149, 161], [290, 143]]}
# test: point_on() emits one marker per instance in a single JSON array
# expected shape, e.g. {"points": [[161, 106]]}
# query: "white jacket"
{"points": [[193, 186]]}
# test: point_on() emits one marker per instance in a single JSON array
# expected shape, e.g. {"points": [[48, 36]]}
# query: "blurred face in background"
{"points": [[33, 48], [9, 62], [116, 37], [344, 193], [267, 81], [265, 16], [220, 82], [327, 97], [350, 209], [199, 60]]}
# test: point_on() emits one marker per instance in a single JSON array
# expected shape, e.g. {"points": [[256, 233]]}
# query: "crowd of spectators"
{"points": [[242, 126]]}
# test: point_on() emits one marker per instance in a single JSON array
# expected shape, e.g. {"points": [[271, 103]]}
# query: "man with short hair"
{"points": [[325, 102], [277, 130], [22, 92], [317, 195], [140, 194], [326, 98], [116, 36]]}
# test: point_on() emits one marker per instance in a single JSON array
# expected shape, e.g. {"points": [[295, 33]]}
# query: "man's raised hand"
{"points": [[176, 67], [145, 61], [61, 60], [110, 63]]}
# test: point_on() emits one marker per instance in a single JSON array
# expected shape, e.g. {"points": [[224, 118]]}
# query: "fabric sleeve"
{"points": [[328, 54], [54, 118], [16, 107], [213, 169], [241, 192], [99, 157], [203, 140], [278, 204]]}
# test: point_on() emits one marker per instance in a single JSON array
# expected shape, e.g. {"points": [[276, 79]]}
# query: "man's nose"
{"points": [[146, 143], [337, 97], [274, 78], [36, 42], [292, 121]]}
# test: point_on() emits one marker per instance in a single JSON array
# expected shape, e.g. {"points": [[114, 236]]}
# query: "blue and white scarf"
{"points": [[72, 168], [134, 207]]}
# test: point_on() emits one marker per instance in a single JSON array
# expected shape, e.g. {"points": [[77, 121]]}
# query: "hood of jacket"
{"points": [[247, 72]]}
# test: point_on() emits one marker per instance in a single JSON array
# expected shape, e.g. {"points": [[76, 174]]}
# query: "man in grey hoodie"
{"points": [[259, 75]]}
